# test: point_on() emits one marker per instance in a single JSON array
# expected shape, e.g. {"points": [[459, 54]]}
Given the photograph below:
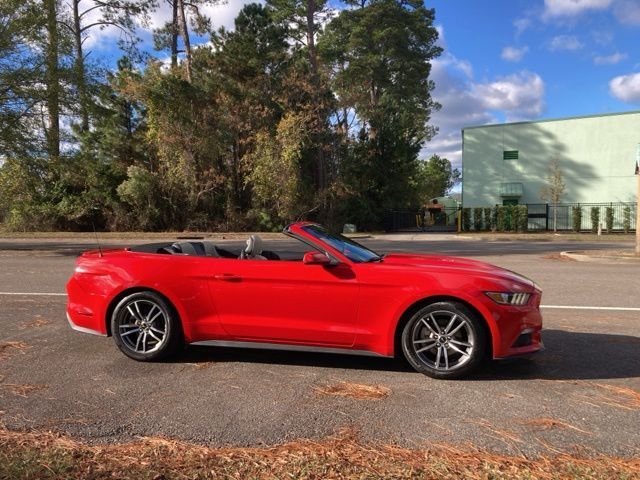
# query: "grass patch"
{"points": [[48, 456], [354, 390]]}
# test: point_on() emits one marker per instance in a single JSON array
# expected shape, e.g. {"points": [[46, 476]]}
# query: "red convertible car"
{"points": [[444, 314]]}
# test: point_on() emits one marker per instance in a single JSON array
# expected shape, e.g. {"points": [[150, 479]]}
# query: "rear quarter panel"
{"points": [[99, 282]]}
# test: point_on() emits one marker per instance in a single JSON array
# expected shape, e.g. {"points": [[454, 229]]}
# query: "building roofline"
{"points": [[560, 119]]}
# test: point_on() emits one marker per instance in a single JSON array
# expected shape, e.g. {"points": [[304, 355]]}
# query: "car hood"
{"points": [[440, 262]]}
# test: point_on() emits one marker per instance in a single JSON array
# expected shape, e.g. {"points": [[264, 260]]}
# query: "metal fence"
{"points": [[618, 217], [615, 216], [415, 221]]}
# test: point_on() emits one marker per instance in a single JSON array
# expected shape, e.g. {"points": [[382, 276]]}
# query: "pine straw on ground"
{"points": [[36, 323], [9, 348], [22, 389], [48, 456], [547, 423], [354, 390], [559, 257], [619, 397]]}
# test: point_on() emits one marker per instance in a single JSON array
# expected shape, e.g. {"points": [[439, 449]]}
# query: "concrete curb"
{"points": [[419, 237], [585, 257]]}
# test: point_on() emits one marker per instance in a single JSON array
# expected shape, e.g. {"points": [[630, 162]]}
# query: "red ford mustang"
{"points": [[443, 314]]}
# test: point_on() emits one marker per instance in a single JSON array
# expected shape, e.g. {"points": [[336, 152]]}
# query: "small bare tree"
{"points": [[553, 191]]}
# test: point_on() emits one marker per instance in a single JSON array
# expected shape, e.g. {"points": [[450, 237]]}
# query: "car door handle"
{"points": [[227, 277]]}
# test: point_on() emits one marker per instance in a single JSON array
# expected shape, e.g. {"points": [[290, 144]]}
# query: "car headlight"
{"points": [[509, 298]]}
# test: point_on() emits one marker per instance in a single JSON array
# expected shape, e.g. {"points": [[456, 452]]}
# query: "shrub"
{"points": [[595, 219], [608, 218], [522, 215], [576, 217], [500, 218], [626, 218], [477, 219], [487, 218], [509, 224], [494, 219], [466, 219]]}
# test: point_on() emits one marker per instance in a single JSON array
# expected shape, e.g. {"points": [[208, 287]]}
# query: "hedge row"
{"points": [[514, 218], [501, 218]]}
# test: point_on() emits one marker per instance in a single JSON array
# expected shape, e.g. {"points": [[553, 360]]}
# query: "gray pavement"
{"points": [[577, 395]]}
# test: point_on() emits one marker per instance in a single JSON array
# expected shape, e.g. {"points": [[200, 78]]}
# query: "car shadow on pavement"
{"points": [[198, 354], [572, 356], [568, 356]]}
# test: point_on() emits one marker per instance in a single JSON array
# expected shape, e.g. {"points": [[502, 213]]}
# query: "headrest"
{"points": [[254, 246]]}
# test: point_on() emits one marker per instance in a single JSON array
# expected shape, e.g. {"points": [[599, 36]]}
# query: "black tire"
{"points": [[425, 343], [149, 314]]}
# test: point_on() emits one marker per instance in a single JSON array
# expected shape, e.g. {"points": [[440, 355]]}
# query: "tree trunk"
{"points": [[315, 78], [79, 73], [174, 34], [52, 82], [311, 42], [184, 32]]}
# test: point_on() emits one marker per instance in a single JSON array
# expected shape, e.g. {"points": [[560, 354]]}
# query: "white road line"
{"points": [[574, 307], [41, 294]]}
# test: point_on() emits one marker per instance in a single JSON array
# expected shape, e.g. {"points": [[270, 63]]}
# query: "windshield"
{"points": [[350, 249]]}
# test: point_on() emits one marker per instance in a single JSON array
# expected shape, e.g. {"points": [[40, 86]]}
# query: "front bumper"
{"points": [[519, 329]]}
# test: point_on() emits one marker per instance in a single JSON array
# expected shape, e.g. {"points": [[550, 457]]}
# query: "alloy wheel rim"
{"points": [[143, 326], [443, 340]]}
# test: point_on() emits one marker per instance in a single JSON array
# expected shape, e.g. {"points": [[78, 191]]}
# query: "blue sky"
{"points": [[507, 60]]}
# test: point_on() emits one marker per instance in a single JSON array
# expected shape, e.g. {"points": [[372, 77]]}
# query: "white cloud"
{"points": [[612, 59], [602, 37], [626, 88], [521, 25], [569, 8], [567, 43], [627, 11], [441, 41], [466, 103], [221, 16], [518, 96], [513, 54]]}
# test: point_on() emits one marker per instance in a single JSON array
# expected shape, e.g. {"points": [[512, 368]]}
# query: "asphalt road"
{"points": [[577, 395]]}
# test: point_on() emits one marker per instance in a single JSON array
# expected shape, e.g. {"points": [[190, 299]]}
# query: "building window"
{"points": [[510, 155]]}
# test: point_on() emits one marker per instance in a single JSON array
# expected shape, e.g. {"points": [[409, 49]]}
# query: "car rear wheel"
{"points": [[444, 340], [145, 327]]}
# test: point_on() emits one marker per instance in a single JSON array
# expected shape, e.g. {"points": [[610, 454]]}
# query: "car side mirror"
{"points": [[316, 258]]}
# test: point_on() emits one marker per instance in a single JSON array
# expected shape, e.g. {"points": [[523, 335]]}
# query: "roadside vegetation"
{"points": [[343, 456], [301, 110]]}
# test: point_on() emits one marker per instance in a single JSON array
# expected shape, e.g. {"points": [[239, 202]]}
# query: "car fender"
{"points": [[175, 301], [422, 296]]}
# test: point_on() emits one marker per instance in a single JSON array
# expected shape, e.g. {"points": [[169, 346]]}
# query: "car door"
{"points": [[286, 301]]}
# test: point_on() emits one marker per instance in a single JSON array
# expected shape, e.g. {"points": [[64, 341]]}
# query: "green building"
{"points": [[507, 163]]}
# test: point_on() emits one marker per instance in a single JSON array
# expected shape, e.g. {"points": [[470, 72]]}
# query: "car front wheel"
{"points": [[145, 327], [444, 340]]}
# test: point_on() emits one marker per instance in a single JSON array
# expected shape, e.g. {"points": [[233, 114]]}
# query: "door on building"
{"points": [[510, 201]]}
